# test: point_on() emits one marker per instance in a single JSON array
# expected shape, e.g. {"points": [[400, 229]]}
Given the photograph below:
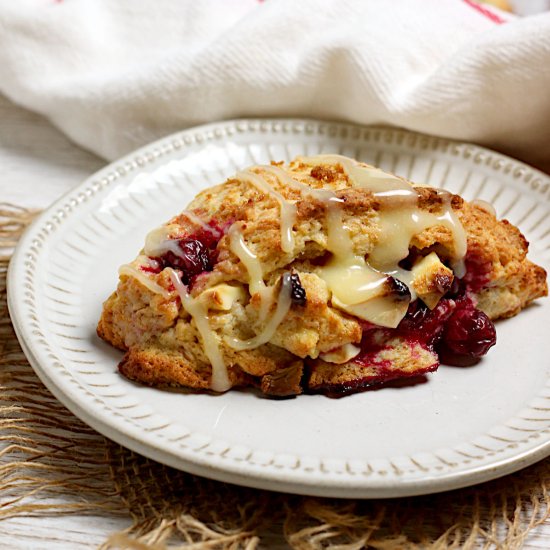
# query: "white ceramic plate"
{"points": [[462, 426]]}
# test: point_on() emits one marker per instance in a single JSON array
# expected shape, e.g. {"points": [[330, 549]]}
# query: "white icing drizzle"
{"points": [[131, 271], [198, 221], [220, 379], [405, 221], [288, 209], [338, 240], [352, 280], [372, 178], [149, 262], [398, 227], [450, 220], [337, 235], [256, 284], [348, 276], [159, 242], [484, 205], [284, 301], [341, 355]]}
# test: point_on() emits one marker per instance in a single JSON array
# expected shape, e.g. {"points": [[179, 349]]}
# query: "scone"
{"points": [[323, 275]]}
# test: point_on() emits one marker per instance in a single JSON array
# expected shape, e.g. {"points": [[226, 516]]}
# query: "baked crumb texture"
{"points": [[263, 306]]}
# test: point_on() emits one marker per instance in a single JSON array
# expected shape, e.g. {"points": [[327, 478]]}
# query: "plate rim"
{"points": [[234, 472]]}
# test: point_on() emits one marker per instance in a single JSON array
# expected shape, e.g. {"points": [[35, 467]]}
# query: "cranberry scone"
{"points": [[321, 275]]}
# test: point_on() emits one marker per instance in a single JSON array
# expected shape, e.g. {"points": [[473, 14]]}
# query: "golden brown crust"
{"points": [[155, 366], [164, 346], [511, 293], [512, 281]]}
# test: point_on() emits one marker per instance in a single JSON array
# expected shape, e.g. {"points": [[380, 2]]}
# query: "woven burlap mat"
{"points": [[51, 463]]}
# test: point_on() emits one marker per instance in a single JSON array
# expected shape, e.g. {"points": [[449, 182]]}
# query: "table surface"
{"points": [[38, 165]]}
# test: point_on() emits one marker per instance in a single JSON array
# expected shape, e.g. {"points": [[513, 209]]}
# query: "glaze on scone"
{"points": [[321, 275]]}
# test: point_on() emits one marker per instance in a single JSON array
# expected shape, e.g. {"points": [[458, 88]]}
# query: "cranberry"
{"points": [[425, 325], [194, 259], [478, 272], [468, 333], [198, 253], [297, 292], [373, 341], [457, 289], [399, 289], [409, 261], [155, 269], [209, 237]]}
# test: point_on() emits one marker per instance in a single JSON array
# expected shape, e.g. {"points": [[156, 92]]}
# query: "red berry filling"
{"points": [[458, 331], [151, 269], [478, 272], [420, 326], [468, 334], [373, 341], [198, 253], [423, 325], [194, 258]]}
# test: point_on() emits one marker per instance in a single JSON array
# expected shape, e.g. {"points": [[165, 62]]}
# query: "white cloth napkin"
{"points": [[114, 74]]}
